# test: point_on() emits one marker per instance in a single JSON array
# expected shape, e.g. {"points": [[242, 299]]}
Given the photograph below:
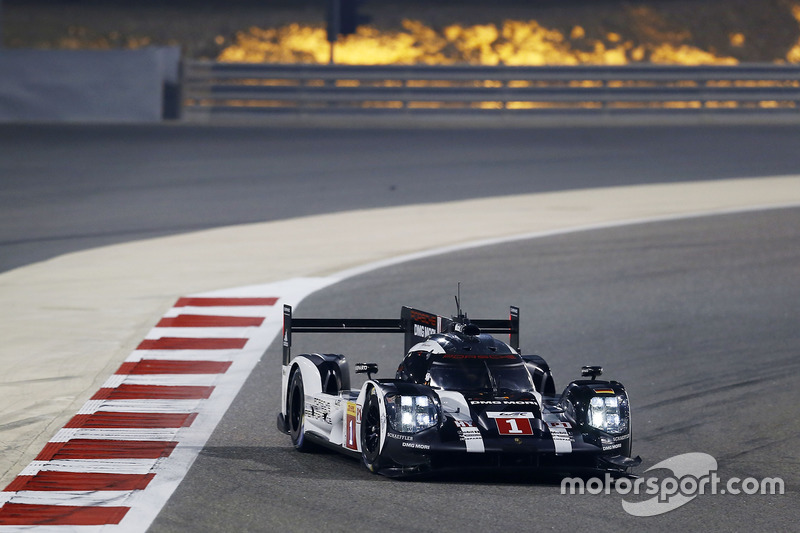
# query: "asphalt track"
{"points": [[697, 317], [68, 188]]}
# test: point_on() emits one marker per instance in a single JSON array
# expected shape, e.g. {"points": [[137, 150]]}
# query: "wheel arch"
{"points": [[367, 391]]}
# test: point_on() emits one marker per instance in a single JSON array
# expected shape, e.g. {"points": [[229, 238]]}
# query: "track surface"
{"points": [[66, 188], [697, 317]]}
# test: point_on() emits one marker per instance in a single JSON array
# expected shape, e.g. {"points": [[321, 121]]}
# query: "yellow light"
{"points": [[577, 33], [737, 39], [793, 55], [515, 42], [687, 55]]}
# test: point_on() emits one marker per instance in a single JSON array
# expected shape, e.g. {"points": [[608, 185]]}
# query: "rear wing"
{"points": [[414, 324]]}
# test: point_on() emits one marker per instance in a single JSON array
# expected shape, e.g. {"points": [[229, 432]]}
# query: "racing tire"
{"points": [[371, 432], [296, 412]]}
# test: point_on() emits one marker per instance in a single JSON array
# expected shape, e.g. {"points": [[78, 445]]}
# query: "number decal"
{"points": [[514, 426], [350, 441]]}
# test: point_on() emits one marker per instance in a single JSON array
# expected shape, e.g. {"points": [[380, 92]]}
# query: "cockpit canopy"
{"points": [[454, 361], [480, 375]]}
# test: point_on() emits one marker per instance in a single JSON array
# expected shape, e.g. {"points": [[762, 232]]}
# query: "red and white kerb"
{"points": [[118, 459]]}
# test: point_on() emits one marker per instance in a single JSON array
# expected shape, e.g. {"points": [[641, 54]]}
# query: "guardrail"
{"points": [[212, 89]]}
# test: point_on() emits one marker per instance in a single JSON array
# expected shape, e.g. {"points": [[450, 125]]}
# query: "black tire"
{"points": [[296, 412], [371, 432]]}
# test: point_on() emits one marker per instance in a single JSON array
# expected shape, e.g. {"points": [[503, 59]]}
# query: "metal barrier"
{"points": [[212, 89]]}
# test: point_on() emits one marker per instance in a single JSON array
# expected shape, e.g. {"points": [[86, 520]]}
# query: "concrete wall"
{"points": [[89, 85]]}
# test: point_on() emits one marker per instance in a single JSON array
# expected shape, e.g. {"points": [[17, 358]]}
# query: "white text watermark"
{"points": [[693, 474]]}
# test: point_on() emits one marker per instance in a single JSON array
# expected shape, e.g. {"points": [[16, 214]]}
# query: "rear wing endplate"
{"points": [[414, 324]]}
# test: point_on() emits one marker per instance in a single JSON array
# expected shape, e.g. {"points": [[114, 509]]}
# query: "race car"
{"points": [[460, 399]]}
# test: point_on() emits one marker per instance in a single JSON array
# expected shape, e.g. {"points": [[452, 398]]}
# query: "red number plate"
{"points": [[514, 426]]}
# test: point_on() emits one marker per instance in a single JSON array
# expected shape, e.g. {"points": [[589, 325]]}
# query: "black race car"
{"points": [[461, 398]]}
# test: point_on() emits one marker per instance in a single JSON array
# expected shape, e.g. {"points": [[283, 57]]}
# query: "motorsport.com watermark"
{"points": [[694, 474]]}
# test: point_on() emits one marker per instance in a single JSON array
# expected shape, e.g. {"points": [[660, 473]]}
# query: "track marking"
{"points": [[135, 509], [115, 462]]}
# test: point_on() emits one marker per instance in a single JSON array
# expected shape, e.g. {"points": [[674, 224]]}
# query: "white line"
{"points": [[90, 407], [170, 472], [113, 381], [257, 311], [202, 333], [472, 439], [109, 466], [369, 267], [145, 406], [174, 380], [154, 434], [101, 498], [184, 355]]}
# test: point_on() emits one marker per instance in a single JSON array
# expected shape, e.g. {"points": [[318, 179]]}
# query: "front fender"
{"points": [[575, 400], [384, 388]]}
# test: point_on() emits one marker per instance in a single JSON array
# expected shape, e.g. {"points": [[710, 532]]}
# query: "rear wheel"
{"points": [[296, 410], [371, 432]]}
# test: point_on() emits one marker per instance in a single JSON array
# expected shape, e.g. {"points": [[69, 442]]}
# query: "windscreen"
{"points": [[480, 375]]}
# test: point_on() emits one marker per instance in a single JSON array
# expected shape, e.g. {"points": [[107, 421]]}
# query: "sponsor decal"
{"points": [[510, 415], [423, 331], [320, 410], [423, 318], [365, 368], [470, 436], [472, 439], [562, 440], [416, 445], [350, 440]]}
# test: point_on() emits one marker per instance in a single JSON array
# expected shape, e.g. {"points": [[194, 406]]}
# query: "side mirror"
{"points": [[591, 371], [367, 368]]}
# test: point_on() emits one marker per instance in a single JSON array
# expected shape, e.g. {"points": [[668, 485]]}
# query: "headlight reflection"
{"points": [[411, 414], [609, 413]]}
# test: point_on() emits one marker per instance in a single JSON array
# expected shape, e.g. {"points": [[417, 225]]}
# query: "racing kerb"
{"points": [[117, 294]]}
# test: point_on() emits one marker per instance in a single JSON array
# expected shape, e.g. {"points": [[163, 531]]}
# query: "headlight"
{"points": [[609, 413], [411, 414]]}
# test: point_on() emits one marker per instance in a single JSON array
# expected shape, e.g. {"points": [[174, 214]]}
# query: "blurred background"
{"points": [[512, 32]]}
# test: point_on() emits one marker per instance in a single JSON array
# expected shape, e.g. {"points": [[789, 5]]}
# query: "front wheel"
{"points": [[371, 432]]}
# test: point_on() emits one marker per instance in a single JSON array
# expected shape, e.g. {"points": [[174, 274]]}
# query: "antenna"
{"points": [[461, 317], [458, 300]]}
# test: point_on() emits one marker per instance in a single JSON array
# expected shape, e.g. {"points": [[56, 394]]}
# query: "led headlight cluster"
{"points": [[609, 413], [410, 414]]}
